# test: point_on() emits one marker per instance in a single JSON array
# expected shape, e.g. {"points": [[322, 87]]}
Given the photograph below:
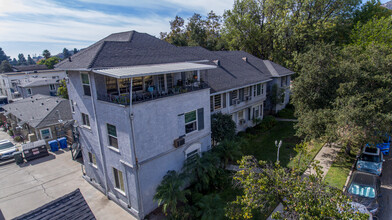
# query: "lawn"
{"points": [[262, 145], [339, 171]]}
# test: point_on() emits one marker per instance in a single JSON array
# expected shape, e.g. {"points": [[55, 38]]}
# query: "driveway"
{"points": [[386, 190], [27, 187]]}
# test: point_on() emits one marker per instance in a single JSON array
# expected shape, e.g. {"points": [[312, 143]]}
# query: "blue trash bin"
{"points": [[54, 145], [63, 142]]}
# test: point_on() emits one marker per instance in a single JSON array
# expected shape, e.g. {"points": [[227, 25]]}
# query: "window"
{"points": [[86, 84], [241, 96], [72, 105], [46, 133], [112, 135], [92, 159], [241, 115], [192, 151], [233, 96], [29, 91], [190, 122], [216, 102], [118, 179], [52, 87], [262, 88], [85, 120], [258, 89]]}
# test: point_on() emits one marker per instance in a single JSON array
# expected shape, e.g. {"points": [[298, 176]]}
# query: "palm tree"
{"points": [[228, 150], [170, 192], [210, 207], [202, 170]]}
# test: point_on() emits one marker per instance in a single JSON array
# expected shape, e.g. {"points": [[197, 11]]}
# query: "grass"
{"points": [[286, 113], [340, 169], [262, 145]]}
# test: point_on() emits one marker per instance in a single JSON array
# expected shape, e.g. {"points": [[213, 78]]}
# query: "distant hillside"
{"points": [[388, 5]]}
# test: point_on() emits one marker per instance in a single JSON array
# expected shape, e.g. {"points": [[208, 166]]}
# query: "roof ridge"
{"points": [[55, 107], [132, 34], [271, 68], [96, 54]]}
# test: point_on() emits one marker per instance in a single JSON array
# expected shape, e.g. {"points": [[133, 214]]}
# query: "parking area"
{"points": [[386, 190], [30, 185]]}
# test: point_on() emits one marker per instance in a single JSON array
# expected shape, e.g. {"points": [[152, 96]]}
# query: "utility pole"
{"points": [[278, 145]]}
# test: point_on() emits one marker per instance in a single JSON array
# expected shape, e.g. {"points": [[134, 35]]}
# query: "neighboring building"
{"points": [[387, 5], [9, 81], [143, 106], [40, 117], [38, 86], [69, 206]]}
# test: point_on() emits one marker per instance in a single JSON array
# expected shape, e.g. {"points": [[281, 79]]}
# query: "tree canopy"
{"points": [[46, 54], [310, 197], [5, 67], [3, 56], [49, 62]]}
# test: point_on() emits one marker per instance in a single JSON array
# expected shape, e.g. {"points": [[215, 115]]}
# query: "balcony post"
{"points": [[130, 92]]}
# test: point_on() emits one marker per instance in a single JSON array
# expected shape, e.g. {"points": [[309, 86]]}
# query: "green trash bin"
{"points": [[18, 156]]}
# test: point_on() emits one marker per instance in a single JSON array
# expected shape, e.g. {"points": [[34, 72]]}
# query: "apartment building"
{"points": [[142, 106]]}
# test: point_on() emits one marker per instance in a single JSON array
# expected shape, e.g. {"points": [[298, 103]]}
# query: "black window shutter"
{"points": [[200, 117]]}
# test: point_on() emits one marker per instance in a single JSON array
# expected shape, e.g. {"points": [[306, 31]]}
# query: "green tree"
{"points": [[222, 127], [21, 59], [5, 66], [210, 207], [196, 31], [75, 51], [66, 53], [177, 35], [277, 29], [3, 56], [46, 54], [170, 193], [375, 31], [202, 171], [370, 10], [228, 150], [30, 61], [310, 197], [14, 62], [50, 62], [62, 91]]}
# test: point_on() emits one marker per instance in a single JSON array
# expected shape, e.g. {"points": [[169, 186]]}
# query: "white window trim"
{"points": [[193, 147], [83, 84], [85, 125], [31, 91], [50, 132], [92, 162], [196, 120], [72, 106], [107, 131], [50, 87], [114, 178]]}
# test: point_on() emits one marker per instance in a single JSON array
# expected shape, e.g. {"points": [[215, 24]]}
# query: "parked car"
{"points": [[364, 188], [370, 160], [7, 148]]}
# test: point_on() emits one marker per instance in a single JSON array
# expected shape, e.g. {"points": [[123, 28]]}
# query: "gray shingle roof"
{"points": [[39, 82], [125, 49], [40, 110], [133, 48], [29, 68], [70, 206]]}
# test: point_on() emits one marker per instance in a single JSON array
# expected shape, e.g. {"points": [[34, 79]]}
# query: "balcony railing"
{"points": [[153, 94]]}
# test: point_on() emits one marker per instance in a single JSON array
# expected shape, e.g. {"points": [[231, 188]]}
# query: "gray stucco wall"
{"points": [[43, 90], [156, 125]]}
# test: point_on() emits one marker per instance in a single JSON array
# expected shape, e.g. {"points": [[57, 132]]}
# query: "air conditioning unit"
{"points": [[179, 142], [236, 101], [248, 98], [242, 121]]}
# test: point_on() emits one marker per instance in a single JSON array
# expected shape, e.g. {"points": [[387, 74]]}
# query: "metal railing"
{"points": [[143, 96]]}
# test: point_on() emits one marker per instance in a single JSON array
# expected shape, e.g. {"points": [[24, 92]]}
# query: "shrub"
{"points": [[18, 138], [11, 133], [286, 113], [267, 123]]}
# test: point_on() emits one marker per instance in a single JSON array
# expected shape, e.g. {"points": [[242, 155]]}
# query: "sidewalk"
{"points": [[326, 156]]}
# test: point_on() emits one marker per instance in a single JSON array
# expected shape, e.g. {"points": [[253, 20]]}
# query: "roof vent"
{"points": [[245, 59], [69, 59], [47, 109], [217, 62], [42, 103]]}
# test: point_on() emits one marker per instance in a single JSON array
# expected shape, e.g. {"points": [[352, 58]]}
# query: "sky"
{"points": [[31, 26]]}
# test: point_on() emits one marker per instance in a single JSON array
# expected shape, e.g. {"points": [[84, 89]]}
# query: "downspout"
{"points": [[136, 163], [99, 138]]}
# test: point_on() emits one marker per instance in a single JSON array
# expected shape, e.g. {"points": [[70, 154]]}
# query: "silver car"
{"points": [[7, 148]]}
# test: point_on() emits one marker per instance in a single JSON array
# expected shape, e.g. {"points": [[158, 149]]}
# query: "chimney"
{"points": [[217, 62], [245, 59], [69, 59]]}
